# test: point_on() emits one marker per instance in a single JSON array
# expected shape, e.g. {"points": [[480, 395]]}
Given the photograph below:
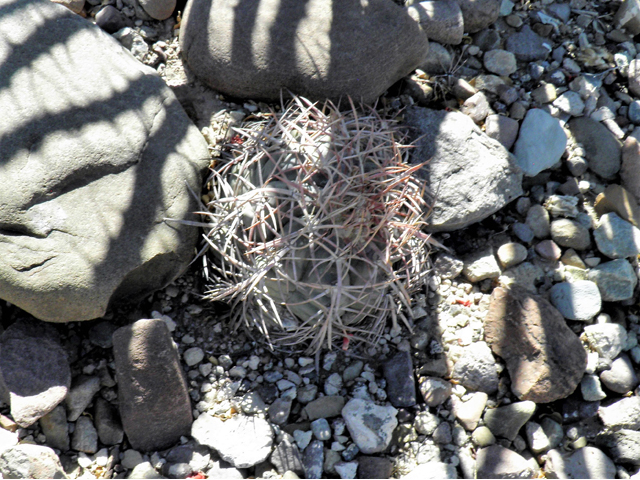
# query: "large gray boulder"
{"points": [[471, 175], [316, 48], [96, 154]]}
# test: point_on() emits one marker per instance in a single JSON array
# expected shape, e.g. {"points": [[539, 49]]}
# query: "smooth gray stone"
{"points": [[587, 462], [616, 280], [319, 49], [577, 300], [541, 142], [30, 461], [507, 421], [616, 238], [98, 153]]}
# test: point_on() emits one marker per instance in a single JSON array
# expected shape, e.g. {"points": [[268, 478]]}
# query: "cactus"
{"points": [[315, 226]]}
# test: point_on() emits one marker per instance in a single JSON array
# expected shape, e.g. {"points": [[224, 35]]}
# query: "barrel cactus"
{"points": [[314, 220]]}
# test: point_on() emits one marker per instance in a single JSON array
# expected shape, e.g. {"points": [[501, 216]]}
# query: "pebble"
{"points": [[545, 93], [496, 461], [242, 441], [469, 411], [401, 387], [321, 429], [313, 460], [621, 377], [623, 413], [616, 280], [302, 438], [55, 428], [623, 446], [432, 471], [591, 389], [553, 430], [279, 411], [107, 421], [587, 462], [448, 267], [476, 369], [85, 436], [603, 150], [110, 19], [476, 107], [482, 437], [616, 198], [570, 103], [536, 437], [30, 461], [523, 232], [511, 254], [570, 234], [617, 238], [371, 426], [541, 142], [480, 266], [608, 339], [538, 220], [527, 45], [435, 391], [576, 301], [503, 129], [634, 112], [426, 423], [548, 250], [507, 421], [333, 384], [500, 62], [286, 456], [325, 407], [131, 459], [193, 356], [80, 395]]}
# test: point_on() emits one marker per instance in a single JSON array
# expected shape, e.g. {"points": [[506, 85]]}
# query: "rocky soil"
{"points": [[523, 354]]}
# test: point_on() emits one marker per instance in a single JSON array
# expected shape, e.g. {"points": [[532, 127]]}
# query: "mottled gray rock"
{"points": [[503, 129], [34, 369], [473, 175], [603, 150], [479, 14], [623, 413], [286, 457], [526, 275], [587, 462], [507, 421], [85, 436], [476, 369], [435, 391], [481, 265], [426, 423], [545, 359], [107, 422], [527, 45], [242, 441], [623, 446], [617, 238], [94, 171], [82, 390], [577, 300], [30, 461], [553, 430], [571, 103], [570, 234], [541, 142], [441, 20], [155, 407], [55, 427], [616, 280], [447, 266], [371, 426], [499, 462], [319, 49], [608, 339], [401, 384], [621, 377]]}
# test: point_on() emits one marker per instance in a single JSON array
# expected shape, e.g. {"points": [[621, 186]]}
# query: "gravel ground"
{"points": [[449, 429]]}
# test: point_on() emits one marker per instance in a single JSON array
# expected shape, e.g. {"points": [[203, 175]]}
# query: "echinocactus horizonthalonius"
{"points": [[315, 226]]}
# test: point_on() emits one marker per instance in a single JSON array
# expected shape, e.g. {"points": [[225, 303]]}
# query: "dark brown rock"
{"points": [[152, 392], [34, 368], [545, 359]]}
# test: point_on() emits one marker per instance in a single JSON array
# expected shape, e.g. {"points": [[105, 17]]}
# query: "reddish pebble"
{"points": [[548, 250]]}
